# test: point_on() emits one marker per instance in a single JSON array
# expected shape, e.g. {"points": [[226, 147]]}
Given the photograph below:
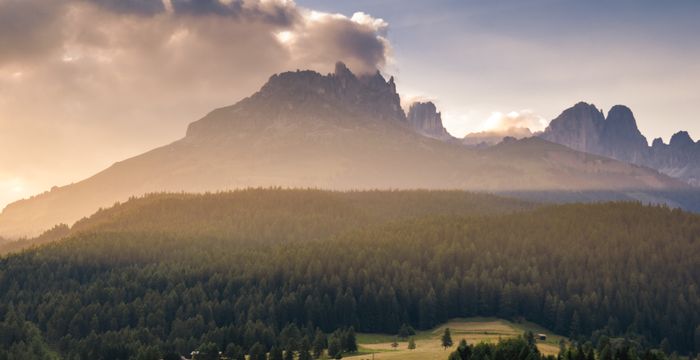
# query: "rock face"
{"points": [[621, 139], [583, 128], [310, 94], [680, 158], [579, 127], [426, 120], [337, 131]]}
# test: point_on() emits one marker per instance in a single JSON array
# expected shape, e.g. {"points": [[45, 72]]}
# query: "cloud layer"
{"points": [[499, 121], [87, 82]]}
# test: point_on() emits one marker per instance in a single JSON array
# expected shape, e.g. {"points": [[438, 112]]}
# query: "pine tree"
{"points": [[320, 343], [256, 352], [464, 350], [208, 351], [530, 338], [233, 351], [411, 344], [446, 338], [665, 346], [304, 349], [334, 346], [406, 331], [350, 341], [276, 353], [575, 326]]}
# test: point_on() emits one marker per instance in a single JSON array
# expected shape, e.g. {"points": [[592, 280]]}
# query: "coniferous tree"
{"points": [[334, 346], [464, 350], [411, 344], [257, 352], [446, 338], [320, 343], [276, 353], [304, 349], [350, 340], [173, 356], [405, 331], [208, 351], [232, 351]]}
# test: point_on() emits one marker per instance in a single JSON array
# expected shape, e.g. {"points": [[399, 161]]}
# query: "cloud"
{"points": [[29, 29], [359, 40], [137, 7], [84, 83], [515, 119]]}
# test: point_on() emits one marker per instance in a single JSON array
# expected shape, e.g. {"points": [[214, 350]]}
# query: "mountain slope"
{"points": [[337, 131]]}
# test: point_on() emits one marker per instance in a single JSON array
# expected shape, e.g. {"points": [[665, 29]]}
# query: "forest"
{"points": [[271, 269]]}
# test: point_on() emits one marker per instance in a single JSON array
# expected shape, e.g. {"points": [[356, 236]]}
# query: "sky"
{"points": [[86, 83]]}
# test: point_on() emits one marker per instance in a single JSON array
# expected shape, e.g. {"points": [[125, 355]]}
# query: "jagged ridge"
{"points": [[584, 128]]}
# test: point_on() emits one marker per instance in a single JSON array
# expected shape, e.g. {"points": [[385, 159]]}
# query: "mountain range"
{"points": [[343, 131], [585, 128]]}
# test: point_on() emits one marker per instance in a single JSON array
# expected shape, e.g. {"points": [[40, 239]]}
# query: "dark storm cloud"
{"points": [[359, 41]]}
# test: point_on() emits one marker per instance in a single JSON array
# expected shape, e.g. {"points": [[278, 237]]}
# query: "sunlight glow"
{"points": [[285, 37]]}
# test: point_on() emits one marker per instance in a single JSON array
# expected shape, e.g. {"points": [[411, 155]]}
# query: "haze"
{"points": [[86, 83]]}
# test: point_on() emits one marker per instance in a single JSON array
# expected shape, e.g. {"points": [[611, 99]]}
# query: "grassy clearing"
{"points": [[474, 330]]}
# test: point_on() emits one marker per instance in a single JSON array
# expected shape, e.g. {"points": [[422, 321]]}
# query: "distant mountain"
{"points": [[584, 128], [426, 120], [493, 137], [337, 131]]}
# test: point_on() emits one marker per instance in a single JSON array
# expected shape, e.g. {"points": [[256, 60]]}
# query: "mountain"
{"points": [[493, 137], [426, 120], [584, 128], [338, 131]]}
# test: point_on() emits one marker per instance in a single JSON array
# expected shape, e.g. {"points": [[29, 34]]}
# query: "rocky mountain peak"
{"points": [[309, 95], [620, 118], [578, 127], [681, 139], [425, 119], [657, 143], [621, 138]]}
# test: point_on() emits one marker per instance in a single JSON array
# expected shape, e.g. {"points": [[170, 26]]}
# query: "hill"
{"points": [[336, 131], [227, 214], [255, 263]]}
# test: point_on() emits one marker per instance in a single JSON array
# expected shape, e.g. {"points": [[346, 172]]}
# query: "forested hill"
{"points": [[139, 277], [287, 214]]}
